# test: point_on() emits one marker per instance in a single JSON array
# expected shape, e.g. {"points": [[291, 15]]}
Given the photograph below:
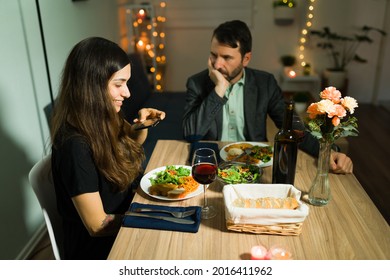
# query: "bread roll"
{"points": [[162, 189], [267, 203], [235, 152]]}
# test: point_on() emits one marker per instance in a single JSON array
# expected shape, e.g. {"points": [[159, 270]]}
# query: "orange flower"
{"points": [[326, 106], [339, 111], [336, 121], [312, 111], [332, 94], [325, 117]]}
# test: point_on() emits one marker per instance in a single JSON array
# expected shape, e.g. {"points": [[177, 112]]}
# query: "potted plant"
{"points": [[284, 3], [301, 98], [342, 49], [284, 11], [287, 60]]}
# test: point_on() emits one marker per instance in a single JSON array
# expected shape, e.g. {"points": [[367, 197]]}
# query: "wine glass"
{"points": [[298, 128], [204, 171]]}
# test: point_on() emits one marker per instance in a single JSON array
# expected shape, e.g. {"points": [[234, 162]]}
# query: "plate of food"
{"points": [[239, 173], [171, 182], [260, 153]]}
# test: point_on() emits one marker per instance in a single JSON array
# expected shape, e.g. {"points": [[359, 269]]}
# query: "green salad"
{"points": [[239, 174], [171, 175], [263, 153]]}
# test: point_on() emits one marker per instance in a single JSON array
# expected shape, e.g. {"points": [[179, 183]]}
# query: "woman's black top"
{"points": [[75, 173]]}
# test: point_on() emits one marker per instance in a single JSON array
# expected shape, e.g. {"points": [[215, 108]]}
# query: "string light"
{"points": [[305, 32], [140, 43], [142, 13], [149, 38]]}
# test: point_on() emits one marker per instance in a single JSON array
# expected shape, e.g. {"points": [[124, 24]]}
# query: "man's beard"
{"points": [[234, 73]]}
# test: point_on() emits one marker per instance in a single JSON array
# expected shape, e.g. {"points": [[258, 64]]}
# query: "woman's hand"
{"points": [[143, 115], [149, 113]]}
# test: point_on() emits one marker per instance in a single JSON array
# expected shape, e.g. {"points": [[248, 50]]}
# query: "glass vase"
{"points": [[319, 194]]}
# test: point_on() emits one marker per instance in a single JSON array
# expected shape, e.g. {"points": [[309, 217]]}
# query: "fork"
{"points": [[176, 214]]}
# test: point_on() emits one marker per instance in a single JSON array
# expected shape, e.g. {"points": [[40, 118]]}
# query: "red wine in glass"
{"points": [[204, 173]]}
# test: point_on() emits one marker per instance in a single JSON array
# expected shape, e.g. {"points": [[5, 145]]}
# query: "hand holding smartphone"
{"points": [[146, 124]]}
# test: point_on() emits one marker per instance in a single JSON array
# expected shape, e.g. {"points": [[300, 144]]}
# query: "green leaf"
{"points": [[316, 134]]}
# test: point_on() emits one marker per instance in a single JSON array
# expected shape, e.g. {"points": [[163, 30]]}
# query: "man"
{"points": [[230, 102]]}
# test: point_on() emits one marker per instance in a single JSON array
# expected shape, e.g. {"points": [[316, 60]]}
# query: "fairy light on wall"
{"points": [[149, 38], [304, 32], [160, 46]]}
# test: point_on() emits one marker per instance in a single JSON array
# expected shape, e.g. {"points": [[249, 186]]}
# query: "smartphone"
{"points": [[146, 124]]}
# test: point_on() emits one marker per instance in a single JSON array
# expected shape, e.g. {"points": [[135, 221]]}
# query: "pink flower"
{"points": [[325, 117], [332, 94], [336, 121], [339, 111], [326, 106], [349, 103]]}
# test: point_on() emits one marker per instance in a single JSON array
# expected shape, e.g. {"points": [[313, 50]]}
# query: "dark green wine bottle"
{"points": [[285, 150]]}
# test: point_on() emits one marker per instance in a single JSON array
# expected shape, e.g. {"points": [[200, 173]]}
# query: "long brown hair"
{"points": [[84, 103]]}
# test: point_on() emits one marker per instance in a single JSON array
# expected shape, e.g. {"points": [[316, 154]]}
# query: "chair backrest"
{"points": [[41, 180]]}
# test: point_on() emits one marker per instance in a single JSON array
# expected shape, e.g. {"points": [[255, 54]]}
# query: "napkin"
{"points": [[198, 145], [141, 222], [238, 215]]}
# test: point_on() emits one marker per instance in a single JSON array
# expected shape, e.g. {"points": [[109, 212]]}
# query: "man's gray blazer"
{"points": [[202, 118]]}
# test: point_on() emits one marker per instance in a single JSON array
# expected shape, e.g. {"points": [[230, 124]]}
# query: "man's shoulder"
{"points": [[257, 73], [200, 75], [259, 76]]}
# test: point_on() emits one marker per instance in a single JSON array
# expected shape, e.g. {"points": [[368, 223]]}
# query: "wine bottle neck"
{"points": [[288, 116]]}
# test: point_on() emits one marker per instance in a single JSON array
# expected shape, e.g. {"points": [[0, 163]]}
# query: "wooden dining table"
{"points": [[349, 227]]}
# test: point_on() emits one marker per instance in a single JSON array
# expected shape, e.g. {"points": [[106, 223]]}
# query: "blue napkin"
{"points": [[141, 222], [198, 145]]}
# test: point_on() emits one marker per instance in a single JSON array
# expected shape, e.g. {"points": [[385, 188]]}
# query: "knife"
{"points": [[170, 219]]}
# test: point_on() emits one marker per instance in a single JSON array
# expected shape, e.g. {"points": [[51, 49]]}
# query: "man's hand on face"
{"points": [[221, 84]]}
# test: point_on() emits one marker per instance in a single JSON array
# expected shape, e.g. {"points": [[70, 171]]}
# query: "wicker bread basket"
{"points": [[263, 221]]}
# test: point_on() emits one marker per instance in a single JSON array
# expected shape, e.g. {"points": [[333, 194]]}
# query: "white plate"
{"points": [[145, 184], [223, 153]]}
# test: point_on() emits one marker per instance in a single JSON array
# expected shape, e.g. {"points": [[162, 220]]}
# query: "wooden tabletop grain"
{"points": [[349, 227]]}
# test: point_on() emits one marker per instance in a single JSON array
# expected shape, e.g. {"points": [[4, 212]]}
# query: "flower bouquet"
{"points": [[329, 119]]}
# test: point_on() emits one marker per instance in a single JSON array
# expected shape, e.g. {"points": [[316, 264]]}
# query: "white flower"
{"points": [[326, 106], [349, 103]]}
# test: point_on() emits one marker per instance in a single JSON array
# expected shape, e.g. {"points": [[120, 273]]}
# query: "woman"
{"points": [[96, 154]]}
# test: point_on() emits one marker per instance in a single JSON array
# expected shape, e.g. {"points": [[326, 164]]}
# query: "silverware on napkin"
{"points": [[176, 214], [170, 219]]}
